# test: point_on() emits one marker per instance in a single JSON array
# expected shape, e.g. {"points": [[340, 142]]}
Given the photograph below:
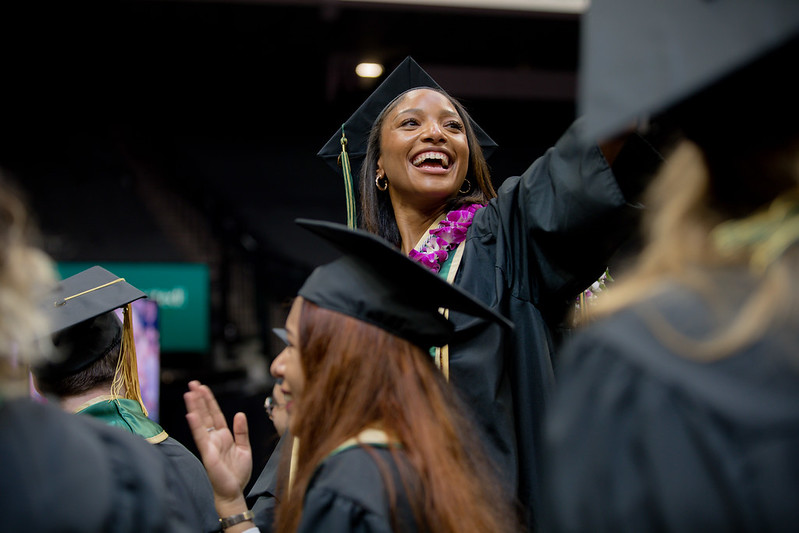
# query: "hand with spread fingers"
{"points": [[227, 456]]}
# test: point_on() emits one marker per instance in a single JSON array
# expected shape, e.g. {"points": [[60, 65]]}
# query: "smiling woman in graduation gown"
{"points": [[526, 250]]}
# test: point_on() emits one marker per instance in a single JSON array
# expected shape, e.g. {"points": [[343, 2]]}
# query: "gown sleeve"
{"points": [[560, 222]]}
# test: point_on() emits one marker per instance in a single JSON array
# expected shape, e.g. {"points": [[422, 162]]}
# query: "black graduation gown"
{"points": [[347, 494], [65, 473], [548, 235], [127, 415], [263, 493], [642, 439], [192, 474]]}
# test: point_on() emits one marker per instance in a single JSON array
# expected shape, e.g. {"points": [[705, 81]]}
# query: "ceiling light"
{"points": [[369, 70]]}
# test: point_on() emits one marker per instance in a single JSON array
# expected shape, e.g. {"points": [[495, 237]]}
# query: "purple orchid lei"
{"points": [[449, 233]]}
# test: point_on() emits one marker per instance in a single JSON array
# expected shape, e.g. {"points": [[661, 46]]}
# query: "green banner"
{"points": [[182, 293]]}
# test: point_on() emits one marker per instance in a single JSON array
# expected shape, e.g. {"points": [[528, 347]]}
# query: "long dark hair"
{"points": [[377, 213], [358, 375]]}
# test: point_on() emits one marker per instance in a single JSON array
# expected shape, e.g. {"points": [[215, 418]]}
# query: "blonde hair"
{"points": [[26, 274], [683, 212]]}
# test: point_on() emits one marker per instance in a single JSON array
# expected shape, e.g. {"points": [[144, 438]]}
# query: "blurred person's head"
{"points": [[26, 275], [727, 200]]}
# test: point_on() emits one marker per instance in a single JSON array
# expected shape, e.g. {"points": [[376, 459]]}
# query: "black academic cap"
{"points": [[281, 334], [84, 327], [640, 57], [408, 75], [375, 283]]}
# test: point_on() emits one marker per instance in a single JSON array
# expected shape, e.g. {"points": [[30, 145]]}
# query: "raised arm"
{"points": [[227, 456]]}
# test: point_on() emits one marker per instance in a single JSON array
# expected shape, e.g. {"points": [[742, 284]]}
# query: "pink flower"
{"points": [[449, 233]]}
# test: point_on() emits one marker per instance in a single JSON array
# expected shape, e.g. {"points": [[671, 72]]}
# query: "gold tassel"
{"points": [[295, 454], [344, 161], [765, 235], [127, 372]]}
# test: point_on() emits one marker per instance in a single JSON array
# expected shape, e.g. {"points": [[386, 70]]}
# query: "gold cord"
{"points": [[64, 301]]}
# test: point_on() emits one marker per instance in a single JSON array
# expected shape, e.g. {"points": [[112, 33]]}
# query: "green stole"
{"points": [[125, 414]]}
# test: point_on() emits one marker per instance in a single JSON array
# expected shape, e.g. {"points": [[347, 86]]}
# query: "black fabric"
{"points": [[263, 493], [347, 493], [82, 320], [640, 57], [79, 297], [79, 346], [199, 494], [64, 473], [528, 254], [377, 284], [642, 439]]}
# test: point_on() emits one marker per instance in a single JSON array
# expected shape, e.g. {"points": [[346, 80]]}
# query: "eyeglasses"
{"points": [[270, 405]]}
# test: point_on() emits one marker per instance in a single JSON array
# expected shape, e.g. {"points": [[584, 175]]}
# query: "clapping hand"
{"points": [[227, 456]]}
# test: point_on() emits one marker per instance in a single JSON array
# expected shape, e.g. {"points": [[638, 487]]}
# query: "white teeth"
{"points": [[419, 159]]}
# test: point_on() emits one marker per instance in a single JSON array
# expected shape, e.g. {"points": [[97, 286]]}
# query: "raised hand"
{"points": [[227, 456]]}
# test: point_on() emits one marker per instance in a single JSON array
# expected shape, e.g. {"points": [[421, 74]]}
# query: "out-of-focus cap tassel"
{"points": [[127, 372]]}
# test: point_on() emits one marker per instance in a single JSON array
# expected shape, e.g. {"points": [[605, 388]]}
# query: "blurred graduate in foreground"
{"points": [[678, 408]]}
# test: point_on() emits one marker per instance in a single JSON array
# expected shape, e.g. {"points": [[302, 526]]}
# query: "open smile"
{"points": [[431, 160]]}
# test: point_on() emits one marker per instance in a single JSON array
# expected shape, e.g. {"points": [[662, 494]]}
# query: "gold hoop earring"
{"points": [[468, 186], [381, 182]]}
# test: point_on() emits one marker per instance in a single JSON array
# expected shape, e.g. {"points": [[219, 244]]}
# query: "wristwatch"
{"points": [[231, 521]]}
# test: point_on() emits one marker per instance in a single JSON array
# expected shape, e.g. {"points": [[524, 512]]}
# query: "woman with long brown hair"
{"points": [[381, 444]]}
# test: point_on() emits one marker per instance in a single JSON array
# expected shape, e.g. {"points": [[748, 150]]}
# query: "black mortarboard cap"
{"points": [[408, 75], [88, 294], [281, 334], [377, 284], [641, 57], [84, 326]]}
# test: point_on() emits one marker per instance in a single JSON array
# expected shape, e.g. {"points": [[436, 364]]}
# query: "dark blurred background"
{"points": [[185, 132]]}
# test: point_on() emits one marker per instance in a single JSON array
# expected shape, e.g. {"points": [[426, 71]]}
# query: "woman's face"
{"points": [[287, 363], [424, 150]]}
